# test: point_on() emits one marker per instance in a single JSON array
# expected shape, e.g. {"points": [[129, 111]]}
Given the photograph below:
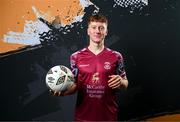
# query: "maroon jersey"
{"points": [[95, 99]]}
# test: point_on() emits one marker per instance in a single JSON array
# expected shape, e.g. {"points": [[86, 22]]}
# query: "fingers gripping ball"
{"points": [[59, 78]]}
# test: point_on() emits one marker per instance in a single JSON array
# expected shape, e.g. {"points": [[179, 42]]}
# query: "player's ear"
{"points": [[106, 32], [88, 31]]}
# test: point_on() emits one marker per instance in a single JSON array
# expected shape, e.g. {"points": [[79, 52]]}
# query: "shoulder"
{"points": [[114, 53], [77, 53]]}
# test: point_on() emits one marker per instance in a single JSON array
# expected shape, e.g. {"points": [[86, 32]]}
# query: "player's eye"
{"points": [[93, 27], [101, 28]]}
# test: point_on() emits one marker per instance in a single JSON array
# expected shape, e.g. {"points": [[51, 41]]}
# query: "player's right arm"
{"points": [[72, 88]]}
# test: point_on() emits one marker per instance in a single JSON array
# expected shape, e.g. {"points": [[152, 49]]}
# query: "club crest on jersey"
{"points": [[107, 65]]}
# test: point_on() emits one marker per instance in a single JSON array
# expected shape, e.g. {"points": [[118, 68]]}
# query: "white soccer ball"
{"points": [[59, 78]]}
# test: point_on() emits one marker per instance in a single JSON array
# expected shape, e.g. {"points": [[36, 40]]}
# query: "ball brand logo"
{"points": [[61, 80], [107, 65]]}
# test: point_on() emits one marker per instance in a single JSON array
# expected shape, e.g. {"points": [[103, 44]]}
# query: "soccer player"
{"points": [[98, 71]]}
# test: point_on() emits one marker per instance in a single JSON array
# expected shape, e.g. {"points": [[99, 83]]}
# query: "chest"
{"points": [[101, 63]]}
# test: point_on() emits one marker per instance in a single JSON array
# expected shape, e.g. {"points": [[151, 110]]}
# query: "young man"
{"points": [[98, 71]]}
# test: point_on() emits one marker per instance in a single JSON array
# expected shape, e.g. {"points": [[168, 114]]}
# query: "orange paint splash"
{"points": [[14, 13]]}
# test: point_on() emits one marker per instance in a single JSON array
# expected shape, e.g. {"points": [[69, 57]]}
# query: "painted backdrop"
{"points": [[36, 35]]}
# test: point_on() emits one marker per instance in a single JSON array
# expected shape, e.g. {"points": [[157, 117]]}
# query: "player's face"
{"points": [[97, 31]]}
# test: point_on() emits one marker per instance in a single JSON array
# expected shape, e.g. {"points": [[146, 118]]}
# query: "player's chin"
{"points": [[98, 41]]}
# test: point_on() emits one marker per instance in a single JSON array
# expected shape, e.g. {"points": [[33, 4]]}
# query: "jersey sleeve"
{"points": [[73, 63], [120, 66]]}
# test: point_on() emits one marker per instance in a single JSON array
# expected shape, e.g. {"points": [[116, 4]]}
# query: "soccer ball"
{"points": [[59, 78]]}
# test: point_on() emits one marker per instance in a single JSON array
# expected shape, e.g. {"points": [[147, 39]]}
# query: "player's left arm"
{"points": [[119, 80]]}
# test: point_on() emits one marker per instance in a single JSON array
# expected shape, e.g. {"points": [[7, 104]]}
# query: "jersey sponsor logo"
{"points": [[95, 78], [95, 91], [107, 65]]}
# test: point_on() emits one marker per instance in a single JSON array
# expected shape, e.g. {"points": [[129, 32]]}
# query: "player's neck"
{"points": [[96, 48]]}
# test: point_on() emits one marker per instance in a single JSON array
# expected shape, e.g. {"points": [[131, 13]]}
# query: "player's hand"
{"points": [[115, 81], [54, 93]]}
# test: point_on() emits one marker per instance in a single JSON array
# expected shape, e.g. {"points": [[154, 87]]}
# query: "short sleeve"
{"points": [[73, 63], [120, 66]]}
